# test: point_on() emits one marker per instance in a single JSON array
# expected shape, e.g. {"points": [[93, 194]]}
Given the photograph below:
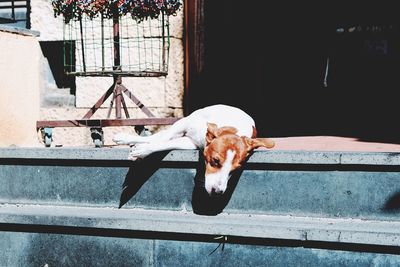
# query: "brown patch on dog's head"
{"points": [[213, 132]]}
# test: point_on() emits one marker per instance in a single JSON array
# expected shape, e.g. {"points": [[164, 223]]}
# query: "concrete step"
{"points": [[59, 207], [43, 249], [298, 183], [36, 235], [59, 97], [54, 219]]}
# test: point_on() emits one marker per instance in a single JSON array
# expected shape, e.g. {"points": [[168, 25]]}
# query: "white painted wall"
{"points": [[20, 71]]}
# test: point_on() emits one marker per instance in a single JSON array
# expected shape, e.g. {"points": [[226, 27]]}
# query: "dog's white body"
{"points": [[189, 132], [225, 134]]}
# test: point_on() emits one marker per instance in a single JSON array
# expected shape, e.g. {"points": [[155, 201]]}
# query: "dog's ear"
{"points": [[253, 143], [212, 132]]}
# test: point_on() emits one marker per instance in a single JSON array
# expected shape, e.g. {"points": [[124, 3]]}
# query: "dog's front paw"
{"points": [[133, 158], [122, 139], [140, 151]]}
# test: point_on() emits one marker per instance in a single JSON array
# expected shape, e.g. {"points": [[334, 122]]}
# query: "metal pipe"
{"points": [[82, 45], [117, 63], [117, 60], [102, 42]]}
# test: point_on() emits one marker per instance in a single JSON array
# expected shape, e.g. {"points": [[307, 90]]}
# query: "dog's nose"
{"points": [[217, 191]]}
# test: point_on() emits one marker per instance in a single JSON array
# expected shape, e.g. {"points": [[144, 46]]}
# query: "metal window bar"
{"points": [[12, 6]]}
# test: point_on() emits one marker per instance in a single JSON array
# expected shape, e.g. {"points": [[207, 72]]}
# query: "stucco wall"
{"points": [[20, 68], [163, 95]]}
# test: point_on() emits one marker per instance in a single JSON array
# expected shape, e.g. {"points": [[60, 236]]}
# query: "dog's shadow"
{"points": [[205, 204], [139, 172], [202, 203]]}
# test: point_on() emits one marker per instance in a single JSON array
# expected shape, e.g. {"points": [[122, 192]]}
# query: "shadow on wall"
{"points": [[393, 204], [202, 203], [139, 172]]}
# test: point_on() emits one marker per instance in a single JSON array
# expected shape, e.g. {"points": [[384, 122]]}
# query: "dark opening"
{"points": [[270, 59], [54, 52]]}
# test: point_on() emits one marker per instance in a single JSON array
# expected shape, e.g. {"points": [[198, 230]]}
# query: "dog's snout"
{"points": [[216, 192], [216, 184]]}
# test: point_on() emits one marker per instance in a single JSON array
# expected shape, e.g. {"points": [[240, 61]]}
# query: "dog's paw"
{"points": [[130, 157], [122, 139], [140, 151]]}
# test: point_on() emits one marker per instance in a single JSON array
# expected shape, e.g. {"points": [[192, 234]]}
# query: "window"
{"points": [[15, 13]]}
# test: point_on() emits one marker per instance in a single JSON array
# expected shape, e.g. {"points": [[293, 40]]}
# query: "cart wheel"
{"points": [[47, 141], [47, 135], [97, 136], [97, 143], [141, 130]]}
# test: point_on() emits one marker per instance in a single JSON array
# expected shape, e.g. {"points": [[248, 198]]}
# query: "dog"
{"points": [[226, 135]]}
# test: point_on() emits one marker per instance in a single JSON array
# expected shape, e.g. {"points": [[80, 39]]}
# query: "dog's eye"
{"points": [[215, 162]]}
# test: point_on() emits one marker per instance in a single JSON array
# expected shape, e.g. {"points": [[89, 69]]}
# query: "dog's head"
{"points": [[225, 152]]}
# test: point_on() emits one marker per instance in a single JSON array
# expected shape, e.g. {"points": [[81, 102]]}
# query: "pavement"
{"points": [[332, 143]]}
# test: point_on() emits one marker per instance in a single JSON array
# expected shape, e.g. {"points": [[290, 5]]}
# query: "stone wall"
{"points": [[163, 95]]}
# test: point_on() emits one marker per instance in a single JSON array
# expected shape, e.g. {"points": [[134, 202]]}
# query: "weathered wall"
{"points": [[164, 95], [20, 68]]}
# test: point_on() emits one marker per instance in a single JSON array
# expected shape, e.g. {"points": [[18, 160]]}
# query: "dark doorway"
{"points": [[271, 60], [56, 54]]}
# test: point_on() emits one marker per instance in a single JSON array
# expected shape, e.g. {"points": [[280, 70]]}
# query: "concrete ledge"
{"points": [[300, 183], [259, 156], [371, 232], [18, 30]]}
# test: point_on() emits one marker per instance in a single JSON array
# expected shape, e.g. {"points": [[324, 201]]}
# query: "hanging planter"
{"points": [[108, 37], [139, 10]]}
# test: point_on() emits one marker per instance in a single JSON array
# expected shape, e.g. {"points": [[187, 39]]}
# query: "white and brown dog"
{"points": [[227, 135]]}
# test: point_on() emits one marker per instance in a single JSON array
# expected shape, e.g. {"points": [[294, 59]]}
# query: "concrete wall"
{"points": [[66, 250], [20, 70], [162, 95], [59, 207]]}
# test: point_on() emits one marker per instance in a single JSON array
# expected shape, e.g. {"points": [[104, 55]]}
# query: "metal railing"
{"points": [[9, 10]]}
